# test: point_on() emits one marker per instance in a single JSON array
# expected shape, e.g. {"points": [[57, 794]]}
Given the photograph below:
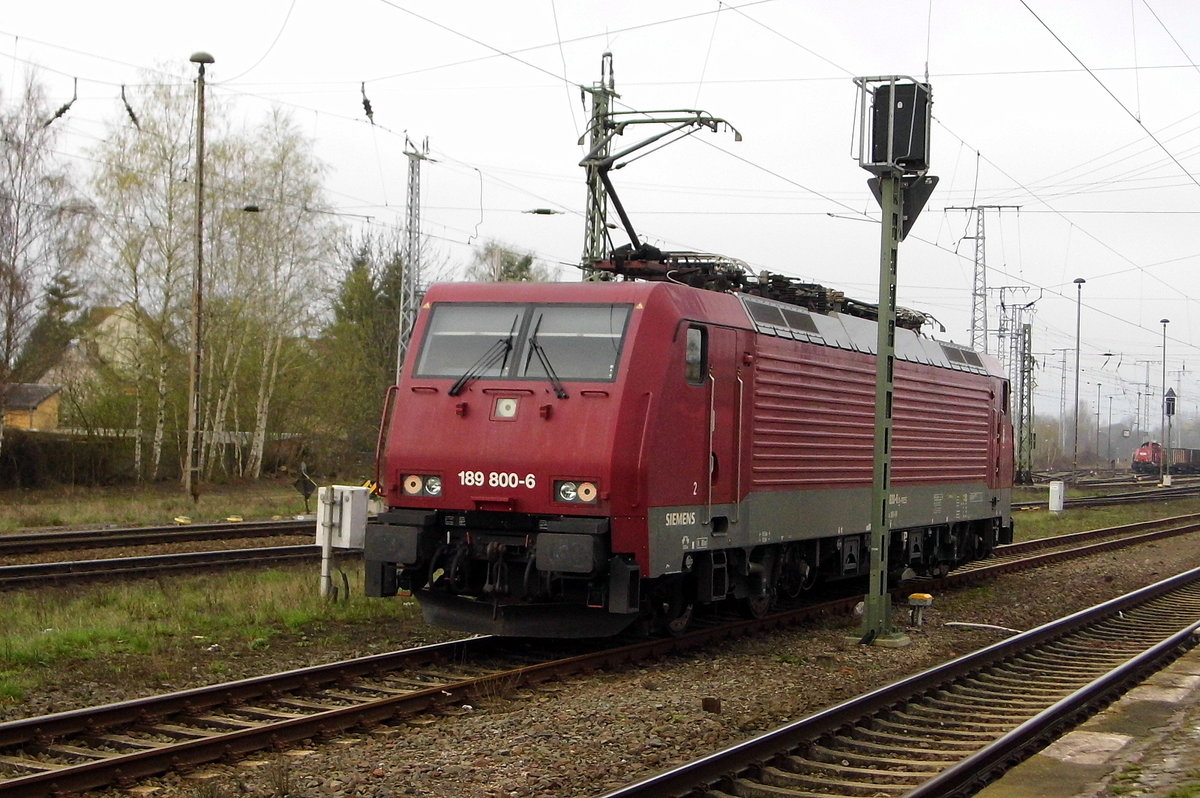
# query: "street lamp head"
{"points": [[201, 57], [1080, 281], [1164, 322]]}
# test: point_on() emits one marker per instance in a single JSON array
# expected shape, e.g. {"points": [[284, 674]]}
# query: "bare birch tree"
{"points": [[298, 242], [143, 182], [261, 268], [39, 221]]}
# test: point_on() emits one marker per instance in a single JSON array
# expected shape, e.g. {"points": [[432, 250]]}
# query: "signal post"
{"points": [[895, 149]]}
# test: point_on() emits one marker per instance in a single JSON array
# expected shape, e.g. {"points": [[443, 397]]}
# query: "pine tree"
{"points": [[54, 329]]}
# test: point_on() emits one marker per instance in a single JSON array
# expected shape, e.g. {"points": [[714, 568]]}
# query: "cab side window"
{"points": [[695, 367]]}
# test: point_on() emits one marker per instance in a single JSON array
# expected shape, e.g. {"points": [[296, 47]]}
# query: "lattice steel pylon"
{"points": [[595, 234], [410, 286], [1026, 439], [979, 312], [1013, 349]]}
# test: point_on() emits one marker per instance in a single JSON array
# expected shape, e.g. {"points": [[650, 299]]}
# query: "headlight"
{"points": [[505, 407], [575, 492], [422, 485]]}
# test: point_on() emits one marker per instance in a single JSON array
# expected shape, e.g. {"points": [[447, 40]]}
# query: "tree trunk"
{"points": [[137, 431], [266, 388], [160, 418], [219, 442]]}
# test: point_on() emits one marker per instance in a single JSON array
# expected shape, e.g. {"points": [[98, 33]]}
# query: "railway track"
{"points": [[1045, 551], [1128, 497], [35, 542], [38, 574], [1090, 479], [950, 730], [118, 743]]}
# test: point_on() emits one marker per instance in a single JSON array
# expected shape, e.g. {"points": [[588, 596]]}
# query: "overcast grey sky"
{"points": [[1085, 113]]}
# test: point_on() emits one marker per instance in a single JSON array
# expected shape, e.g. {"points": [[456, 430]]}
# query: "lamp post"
{"points": [[1162, 423], [1108, 444], [1079, 281], [191, 478], [1137, 417], [1098, 387]]}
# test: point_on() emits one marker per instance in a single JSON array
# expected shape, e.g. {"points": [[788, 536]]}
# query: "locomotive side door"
{"points": [[726, 391]]}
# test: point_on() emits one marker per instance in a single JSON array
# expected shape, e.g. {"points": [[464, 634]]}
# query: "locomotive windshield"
{"points": [[576, 342]]}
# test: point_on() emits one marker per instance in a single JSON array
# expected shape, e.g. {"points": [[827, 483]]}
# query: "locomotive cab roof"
{"points": [[832, 328]]}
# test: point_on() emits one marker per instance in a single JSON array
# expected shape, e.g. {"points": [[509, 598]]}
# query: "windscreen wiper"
{"points": [[560, 390], [494, 353]]}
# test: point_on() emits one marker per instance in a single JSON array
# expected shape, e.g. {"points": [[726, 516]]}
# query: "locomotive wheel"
{"points": [[758, 605], [680, 619], [671, 608], [795, 574], [764, 589]]}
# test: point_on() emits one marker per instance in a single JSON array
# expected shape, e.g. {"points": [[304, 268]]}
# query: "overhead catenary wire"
{"points": [[712, 81], [1114, 97], [270, 47]]}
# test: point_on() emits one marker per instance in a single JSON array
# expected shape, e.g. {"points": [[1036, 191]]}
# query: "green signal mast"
{"points": [[893, 145]]}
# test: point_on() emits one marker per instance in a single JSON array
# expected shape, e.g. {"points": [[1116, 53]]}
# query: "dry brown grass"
{"points": [[146, 505]]}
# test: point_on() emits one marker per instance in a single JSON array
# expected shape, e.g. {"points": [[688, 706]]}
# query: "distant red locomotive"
{"points": [[1147, 459], [562, 460]]}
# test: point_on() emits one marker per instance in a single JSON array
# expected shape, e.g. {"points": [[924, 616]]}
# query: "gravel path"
{"points": [[589, 735]]}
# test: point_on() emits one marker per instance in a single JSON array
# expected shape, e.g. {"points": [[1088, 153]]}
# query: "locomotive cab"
{"points": [[504, 447], [1147, 459]]}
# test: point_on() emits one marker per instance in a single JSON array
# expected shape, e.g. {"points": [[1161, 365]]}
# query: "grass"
{"points": [[1126, 781], [147, 505], [1189, 790], [155, 631], [1035, 524], [157, 623]]}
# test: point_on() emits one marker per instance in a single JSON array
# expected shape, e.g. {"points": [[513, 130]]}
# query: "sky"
{"points": [[1080, 117]]}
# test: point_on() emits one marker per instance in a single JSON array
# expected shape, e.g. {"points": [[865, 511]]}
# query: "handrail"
{"points": [[737, 486], [712, 426], [385, 426]]}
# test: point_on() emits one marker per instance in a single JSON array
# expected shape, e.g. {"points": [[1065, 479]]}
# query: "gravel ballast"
{"points": [[589, 735]]}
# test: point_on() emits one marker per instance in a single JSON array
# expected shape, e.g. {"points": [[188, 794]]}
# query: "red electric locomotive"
{"points": [[561, 460]]}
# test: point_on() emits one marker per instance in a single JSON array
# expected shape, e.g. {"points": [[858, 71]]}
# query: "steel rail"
{"points": [[156, 757], [1129, 497], [22, 575], [30, 542], [153, 760], [1001, 564], [751, 758], [26, 730], [206, 746], [973, 773], [1027, 546], [78, 570]]}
